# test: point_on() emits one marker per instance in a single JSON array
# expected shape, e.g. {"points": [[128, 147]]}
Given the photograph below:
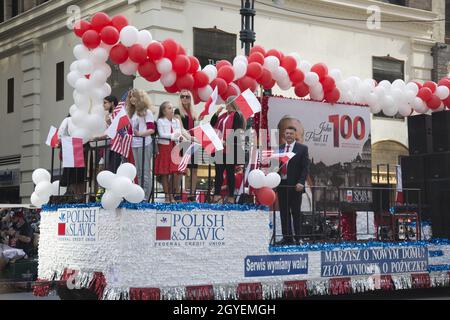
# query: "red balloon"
{"points": [[226, 73], [110, 35], [256, 57], [269, 85], [154, 77], [118, 54], [289, 63], [195, 97], [137, 53], [301, 89], [254, 70], [185, 82], [266, 77], [222, 63], [430, 84], [266, 196], [200, 79], [181, 64], [81, 27], [297, 76], [170, 48], [155, 51], [119, 22], [447, 102], [100, 20], [274, 52], [194, 64], [434, 102], [333, 95], [172, 89], [425, 94], [91, 39], [181, 50], [231, 91], [259, 49], [321, 69], [328, 84], [247, 83], [444, 82], [147, 69], [220, 84], [418, 84]]}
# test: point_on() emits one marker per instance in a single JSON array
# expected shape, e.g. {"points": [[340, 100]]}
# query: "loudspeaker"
{"points": [[437, 165], [420, 137], [413, 168], [439, 199], [441, 131]]}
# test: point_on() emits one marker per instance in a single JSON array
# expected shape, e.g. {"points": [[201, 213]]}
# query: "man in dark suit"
{"points": [[293, 175]]}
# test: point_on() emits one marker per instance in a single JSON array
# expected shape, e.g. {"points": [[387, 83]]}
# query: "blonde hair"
{"points": [[142, 105], [183, 110]]}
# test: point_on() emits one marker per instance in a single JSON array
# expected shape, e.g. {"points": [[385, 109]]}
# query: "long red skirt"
{"points": [[163, 162]]}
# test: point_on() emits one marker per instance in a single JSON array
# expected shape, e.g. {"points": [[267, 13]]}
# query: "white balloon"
{"points": [[256, 178], [74, 66], [136, 195], [105, 179], [96, 123], [389, 107], [106, 69], [144, 38], [399, 83], [272, 180], [380, 92], [164, 66], [121, 186], [82, 133], [240, 69], [99, 55], [81, 52], [405, 110], [375, 109], [85, 66], [354, 82], [110, 201], [36, 200], [72, 110], [399, 96], [370, 82], [336, 74], [411, 86], [127, 170], [168, 79], [79, 117], [241, 58], [107, 47], [129, 36], [83, 85], [280, 74], [318, 95], [271, 63], [285, 85], [211, 72], [72, 78], [205, 92], [442, 92], [98, 110], [80, 100], [44, 189], [420, 106], [385, 84], [305, 66], [311, 78], [128, 68], [410, 96], [57, 189], [372, 99], [99, 77], [40, 175]]}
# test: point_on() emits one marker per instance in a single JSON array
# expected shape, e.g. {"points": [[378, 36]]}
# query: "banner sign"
{"points": [[276, 265], [374, 261], [78, 224]]}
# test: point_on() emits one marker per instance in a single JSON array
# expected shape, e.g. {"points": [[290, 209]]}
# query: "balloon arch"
{"points": [[134, 51]]}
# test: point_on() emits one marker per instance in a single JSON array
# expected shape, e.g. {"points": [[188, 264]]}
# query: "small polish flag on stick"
{"points": [[210, 105], [248, 103], [283, 157], [399, 196], [120, 121], [208, 137], [72, 152], [52, 137]]}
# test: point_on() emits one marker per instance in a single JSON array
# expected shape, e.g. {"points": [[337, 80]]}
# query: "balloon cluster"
{"points": [[44, 188], [264, 185], [119, 186]]}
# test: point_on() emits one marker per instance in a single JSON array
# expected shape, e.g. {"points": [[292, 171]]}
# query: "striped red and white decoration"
{"points": [[248, 104], [210, 105], [72, 152], [208, 137], [121, 143], [187, 156], [52, 137]]}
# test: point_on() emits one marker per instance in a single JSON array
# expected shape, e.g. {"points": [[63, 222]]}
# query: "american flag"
{"points": [[121, 144], [187, 156]]}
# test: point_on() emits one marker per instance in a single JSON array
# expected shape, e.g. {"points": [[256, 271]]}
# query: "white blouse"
{"points": [[66, 128], [164, 127]]}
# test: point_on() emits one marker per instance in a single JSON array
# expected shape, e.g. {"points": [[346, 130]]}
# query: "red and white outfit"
{"points": [[168, 132]]}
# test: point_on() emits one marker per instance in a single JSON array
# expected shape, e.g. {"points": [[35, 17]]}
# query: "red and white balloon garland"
{"points": [[135, 51]]}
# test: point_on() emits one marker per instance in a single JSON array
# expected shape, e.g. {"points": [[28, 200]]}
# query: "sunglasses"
{"points": [[185, 97]]}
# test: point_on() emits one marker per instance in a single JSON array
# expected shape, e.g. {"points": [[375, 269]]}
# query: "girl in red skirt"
{"points": [[170, 133]]}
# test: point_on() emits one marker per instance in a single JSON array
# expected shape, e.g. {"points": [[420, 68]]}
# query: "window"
{"points": [[212, 45], [2, 11], [60, 81], [388, 68], [14, 8], [10, 97]]}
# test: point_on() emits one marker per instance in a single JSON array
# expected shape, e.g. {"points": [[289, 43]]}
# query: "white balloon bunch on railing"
{"points": [[44, 188], [119, 186], [264, 185]]}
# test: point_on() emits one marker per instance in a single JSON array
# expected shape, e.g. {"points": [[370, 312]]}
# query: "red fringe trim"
{"points": [[200, 292], [41, 288], [145, 294], [420, 280], [249, 291], [340, 286], [295, 289], [98, 284]]}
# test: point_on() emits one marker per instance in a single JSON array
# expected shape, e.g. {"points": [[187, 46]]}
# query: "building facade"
{"points": [[36, 52]]}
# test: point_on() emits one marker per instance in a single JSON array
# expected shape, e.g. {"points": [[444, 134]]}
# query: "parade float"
{"points": [[122, 248]]}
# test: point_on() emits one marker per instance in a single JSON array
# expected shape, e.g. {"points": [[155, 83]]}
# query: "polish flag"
{"points": [[210, 105], [399, 196], [120, 121], [248, 103], [208, 137], [283, 157], [72, 152], [52, 137]]}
